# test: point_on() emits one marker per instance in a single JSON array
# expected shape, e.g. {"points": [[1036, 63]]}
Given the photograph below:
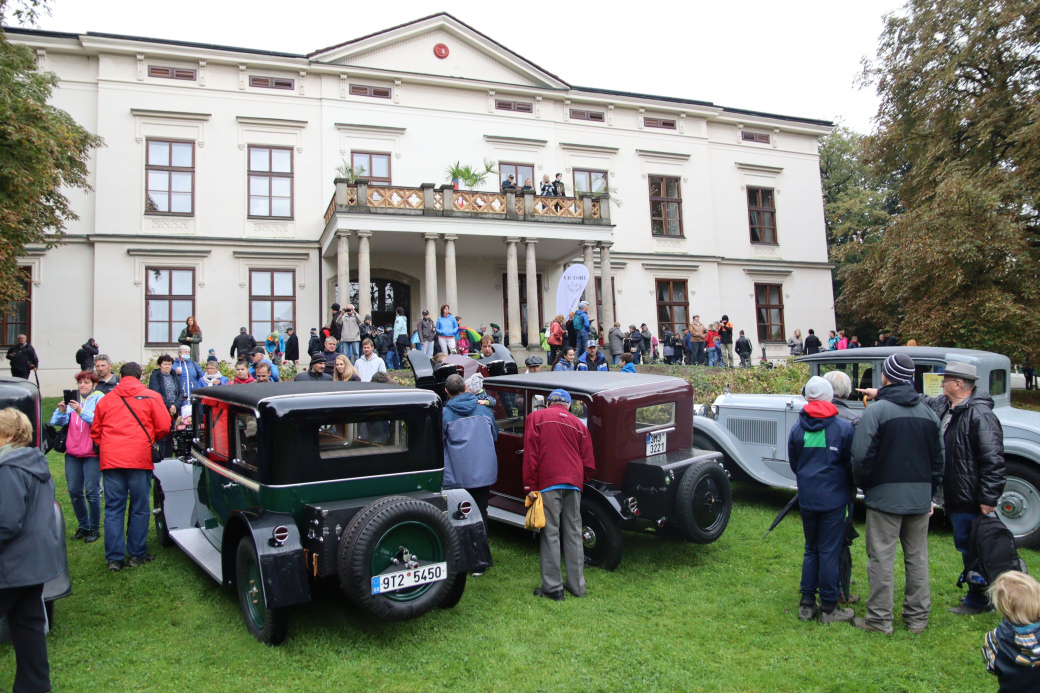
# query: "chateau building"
{"points": [[250, 188]]}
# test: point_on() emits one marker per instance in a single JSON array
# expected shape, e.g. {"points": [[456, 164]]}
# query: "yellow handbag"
{"points": [[535, 512]]}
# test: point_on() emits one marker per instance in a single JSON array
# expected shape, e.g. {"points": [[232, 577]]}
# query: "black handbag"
{"points": [[157, 455], [60, 439]]}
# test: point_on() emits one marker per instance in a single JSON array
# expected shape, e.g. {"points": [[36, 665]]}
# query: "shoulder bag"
{"points": [[157, 456]]}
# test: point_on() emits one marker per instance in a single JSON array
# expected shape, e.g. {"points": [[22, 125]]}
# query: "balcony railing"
{"points": [[428, 200]]}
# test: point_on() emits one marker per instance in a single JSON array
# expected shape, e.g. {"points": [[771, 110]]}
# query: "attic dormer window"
{"points": [[663, 123], [754, 137], [271, 82], [581, 114], [171, 73], [371, 92], [518, 106]]}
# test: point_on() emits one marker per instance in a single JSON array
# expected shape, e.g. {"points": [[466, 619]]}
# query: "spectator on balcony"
{"points": [[559, 189], [547, 187], [527, 185], [508, 183], [447, 328]]}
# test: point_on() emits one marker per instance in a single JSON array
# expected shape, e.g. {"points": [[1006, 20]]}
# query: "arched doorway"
{"points": [[387, 296]]}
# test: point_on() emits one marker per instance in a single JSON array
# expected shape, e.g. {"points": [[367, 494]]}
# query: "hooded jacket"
{"points": [[469, 443], [616, 338], [582, 362], [122, 442], [292, 348], [427, 330], [1012, 654], [897, 453], [242, 345], [974, 441], [819, 450], [88, 352], [31, 548]]}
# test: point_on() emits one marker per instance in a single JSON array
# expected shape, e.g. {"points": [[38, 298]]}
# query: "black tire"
{"points": [[267, 625], [162, 530], [600, 534], [452, 598], [1019, 506], [703, 502], [380, 522]]}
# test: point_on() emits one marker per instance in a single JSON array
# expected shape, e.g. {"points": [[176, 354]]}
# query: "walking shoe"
{"points": [[477, 574], [917, 630], [92, 536], [807, 611], [966, 610], [837, 616], [862, 624], [556, 596], [135, 562], [80, 533], [115, 566], [579, 596]]}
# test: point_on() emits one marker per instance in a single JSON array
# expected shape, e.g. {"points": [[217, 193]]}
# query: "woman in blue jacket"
{"points": [[447, 329], [564, 360]]}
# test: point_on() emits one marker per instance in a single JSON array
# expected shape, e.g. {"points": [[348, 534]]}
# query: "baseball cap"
{"points": [[559, 396]]}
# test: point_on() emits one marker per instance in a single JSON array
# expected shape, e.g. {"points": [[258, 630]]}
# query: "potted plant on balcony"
{"points": [[467, 175], [348, 172]]}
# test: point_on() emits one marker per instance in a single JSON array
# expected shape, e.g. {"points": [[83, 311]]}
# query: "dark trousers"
{"points": [[123, 486], [23, 607], [481, 496], [697, 354], [824, 534], [553, 351], [961, 532]]}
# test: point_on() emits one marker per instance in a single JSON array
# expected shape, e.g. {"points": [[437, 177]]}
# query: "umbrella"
{"points": [[783, 513]]}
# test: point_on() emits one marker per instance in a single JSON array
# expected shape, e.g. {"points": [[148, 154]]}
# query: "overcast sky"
{"points": [[792, 57]]}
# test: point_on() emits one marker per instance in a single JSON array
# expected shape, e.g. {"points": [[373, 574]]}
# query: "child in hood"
{"points": [[1012, 650], [242, 374]]}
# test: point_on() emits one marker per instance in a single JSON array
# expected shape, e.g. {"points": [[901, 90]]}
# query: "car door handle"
{"points": [[520, 451], [229, 485]]}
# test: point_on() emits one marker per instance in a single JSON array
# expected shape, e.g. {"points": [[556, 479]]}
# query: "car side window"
{"points": [[997, 382], [861, 373], [217, 432], [247, 454], [510, 411]]}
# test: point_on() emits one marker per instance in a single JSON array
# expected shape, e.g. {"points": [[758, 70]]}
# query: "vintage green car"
{"points": [[281, 484]]}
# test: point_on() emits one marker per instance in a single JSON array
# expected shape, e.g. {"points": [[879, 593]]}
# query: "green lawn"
{"points": [[674, 617]]}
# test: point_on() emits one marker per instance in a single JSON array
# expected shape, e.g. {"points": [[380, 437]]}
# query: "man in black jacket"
{"points": [[975, 472], [812, 343], [292, 346], [23, 358], [243, 344], [743, 349]]}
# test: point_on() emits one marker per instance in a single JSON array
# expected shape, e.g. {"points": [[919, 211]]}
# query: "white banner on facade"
{"points": [[574, 280]]}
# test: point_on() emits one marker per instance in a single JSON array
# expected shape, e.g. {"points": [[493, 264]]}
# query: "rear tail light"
{"points": [[464, 508], [633, 506], [280, 535]]}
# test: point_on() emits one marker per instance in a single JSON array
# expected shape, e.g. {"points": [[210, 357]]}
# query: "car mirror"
{"points": [[538, 402]]}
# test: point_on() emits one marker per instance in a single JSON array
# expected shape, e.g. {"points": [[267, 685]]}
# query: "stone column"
{"points": [[364, 274], [451, 286], [513, 292], [604, 278], [533, 324], [431, 276], [342, 268], [590, 290]]}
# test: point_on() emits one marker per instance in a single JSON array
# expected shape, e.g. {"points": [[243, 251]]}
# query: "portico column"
{"points": [[431, 275], [533, 324], [342, 268], [607, 289], [590, 290], [451, 287], [512, 292], [364, 274]]}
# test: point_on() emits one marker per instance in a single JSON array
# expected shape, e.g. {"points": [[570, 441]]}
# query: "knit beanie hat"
{"points": [[818, 390], [899, 368]]}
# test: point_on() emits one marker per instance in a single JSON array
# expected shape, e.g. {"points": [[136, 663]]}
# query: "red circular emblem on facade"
{"points": [[441, 51]]}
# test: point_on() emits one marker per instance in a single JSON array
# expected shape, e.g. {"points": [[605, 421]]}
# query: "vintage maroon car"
{"points": [[647, 471]]}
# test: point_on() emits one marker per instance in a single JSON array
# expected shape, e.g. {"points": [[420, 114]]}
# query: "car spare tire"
{"points": [[387, 537], [703, 502]]}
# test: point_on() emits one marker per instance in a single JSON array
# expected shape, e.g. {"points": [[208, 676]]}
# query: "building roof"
{"points": [[583, 382], [253, 394]]}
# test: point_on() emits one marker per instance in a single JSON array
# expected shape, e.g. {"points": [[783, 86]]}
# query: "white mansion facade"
{"points": [[217, 194]]}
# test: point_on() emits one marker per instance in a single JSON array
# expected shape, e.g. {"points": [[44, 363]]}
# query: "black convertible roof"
{"points": [[585, 382], [252, 394]]}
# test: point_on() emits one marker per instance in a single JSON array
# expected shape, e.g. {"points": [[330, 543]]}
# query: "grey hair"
{"points": [[102, 357], [184, 348], [840, 382]]}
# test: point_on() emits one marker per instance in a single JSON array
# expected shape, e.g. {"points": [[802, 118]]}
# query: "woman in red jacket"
{"points": [[555, 338]]}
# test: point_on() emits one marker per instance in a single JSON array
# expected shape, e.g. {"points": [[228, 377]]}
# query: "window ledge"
{"points": [[252, 218], [179, 215], [664, 237], [772, 245]]}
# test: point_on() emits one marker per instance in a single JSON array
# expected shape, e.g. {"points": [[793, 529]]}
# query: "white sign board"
{"points": [[574, 280]]}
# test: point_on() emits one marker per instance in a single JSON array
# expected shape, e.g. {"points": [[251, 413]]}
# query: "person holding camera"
{"points": [[82, 467], [350, 333]]}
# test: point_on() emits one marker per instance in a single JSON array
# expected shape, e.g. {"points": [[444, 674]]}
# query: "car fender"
{"points": [[733, 450], [176, 481], [1022, 448], [611, 495], [474, 550], [283, 569]]}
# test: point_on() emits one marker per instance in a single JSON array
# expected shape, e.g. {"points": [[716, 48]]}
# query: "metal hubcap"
{"points": [[254, 593], [1013, 505], [588, 537], [1019, 507]]}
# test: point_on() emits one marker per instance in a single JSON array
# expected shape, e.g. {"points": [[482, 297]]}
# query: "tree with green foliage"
{"points": [[42, 151], [959, 122]]}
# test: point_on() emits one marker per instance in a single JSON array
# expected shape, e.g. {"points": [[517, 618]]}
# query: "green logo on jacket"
{"points": [[815, 439]]}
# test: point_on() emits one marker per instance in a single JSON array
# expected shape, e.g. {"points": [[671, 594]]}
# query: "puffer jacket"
{"points": [[846, 412], [1012, 654], [31, 550], [469, 443], [975, 472], [897, 453]]}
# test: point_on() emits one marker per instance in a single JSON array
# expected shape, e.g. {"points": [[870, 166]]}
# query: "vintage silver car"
{"points": [[751, 430]]}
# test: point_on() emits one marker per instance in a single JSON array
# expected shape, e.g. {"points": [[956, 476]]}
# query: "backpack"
{"points": [[336, 327], [80, 358], [577, 322], [991, 551]]}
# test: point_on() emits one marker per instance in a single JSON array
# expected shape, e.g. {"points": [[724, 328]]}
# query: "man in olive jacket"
{"points": [[897, 459]]}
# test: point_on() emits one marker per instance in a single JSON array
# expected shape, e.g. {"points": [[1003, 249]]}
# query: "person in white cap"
{"points": [[819, 450]]}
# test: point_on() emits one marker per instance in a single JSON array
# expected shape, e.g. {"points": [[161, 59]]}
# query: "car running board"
{"points": [[193, 542], [500, 515]]}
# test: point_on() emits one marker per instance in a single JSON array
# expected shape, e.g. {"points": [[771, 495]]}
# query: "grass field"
{"points": [[674, 617]]}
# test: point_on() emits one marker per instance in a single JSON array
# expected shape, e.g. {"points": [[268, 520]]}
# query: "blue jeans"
{"points": [[353, 351], [824, 534], [961, 532], [615, 359], [582, 338], [119, 485], [392, 362], [83, 476]]}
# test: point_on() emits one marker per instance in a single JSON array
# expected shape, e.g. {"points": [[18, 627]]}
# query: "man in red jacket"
{"points": [[557, 462], [126, 423]]}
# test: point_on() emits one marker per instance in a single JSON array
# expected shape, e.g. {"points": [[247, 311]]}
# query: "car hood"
{"points": [[1019, 423], [766, 402]]}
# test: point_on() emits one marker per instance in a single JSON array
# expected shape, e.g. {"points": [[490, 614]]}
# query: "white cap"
{"points": [[818, 390]]}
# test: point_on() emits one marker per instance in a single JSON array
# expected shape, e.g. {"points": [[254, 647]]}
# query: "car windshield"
{"points": [[861, 374]]}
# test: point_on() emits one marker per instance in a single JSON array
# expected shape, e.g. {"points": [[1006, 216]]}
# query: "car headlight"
{"points": [[700, 410]]}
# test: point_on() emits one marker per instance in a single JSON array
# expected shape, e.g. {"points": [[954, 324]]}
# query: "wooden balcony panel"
{"points": [[395, 198]]}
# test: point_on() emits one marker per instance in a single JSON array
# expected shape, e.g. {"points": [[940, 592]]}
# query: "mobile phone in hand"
{"points": [[69, 396]]}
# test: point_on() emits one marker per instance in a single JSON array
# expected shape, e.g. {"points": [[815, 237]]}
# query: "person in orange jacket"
{"points": [[126, 424]]}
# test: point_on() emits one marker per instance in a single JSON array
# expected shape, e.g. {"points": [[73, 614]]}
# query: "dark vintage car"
{"points": [[25, 396], [647, 471], [282, 484]]}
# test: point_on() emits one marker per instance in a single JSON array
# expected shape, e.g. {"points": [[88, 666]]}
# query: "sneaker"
{"points": [[807, 611], [135, 562], [115, 566], [92, 536], [556, 596], [837, 616], [862, 624], [80, 533], [968, 610], [477, 574]]}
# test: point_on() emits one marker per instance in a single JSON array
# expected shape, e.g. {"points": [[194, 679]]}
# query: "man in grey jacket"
{"points": [[470, 433], [350, 333], [897, 459], [30, 548]]}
